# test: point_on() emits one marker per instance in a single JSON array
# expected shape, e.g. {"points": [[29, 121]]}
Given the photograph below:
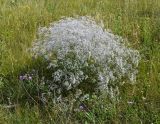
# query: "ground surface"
{"points": [[136, 20]]}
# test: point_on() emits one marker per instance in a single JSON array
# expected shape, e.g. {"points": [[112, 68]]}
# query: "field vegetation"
{"points": [[136, 20]]}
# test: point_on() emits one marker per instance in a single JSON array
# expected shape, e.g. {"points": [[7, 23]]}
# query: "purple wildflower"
{"points": [[26, 77], [81, 107], [21, 78]]}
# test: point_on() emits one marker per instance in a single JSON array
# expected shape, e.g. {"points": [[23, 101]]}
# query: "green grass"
{"points": [[136, 20]]}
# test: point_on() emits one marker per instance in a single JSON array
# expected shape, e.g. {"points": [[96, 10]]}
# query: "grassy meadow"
{"points": [[136, 20]]}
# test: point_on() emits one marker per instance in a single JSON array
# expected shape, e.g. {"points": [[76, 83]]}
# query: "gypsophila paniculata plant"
{"points": [[82, 55]]}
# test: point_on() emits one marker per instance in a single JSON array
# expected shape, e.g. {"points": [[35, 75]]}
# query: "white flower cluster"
{"points": [[73, 45]]}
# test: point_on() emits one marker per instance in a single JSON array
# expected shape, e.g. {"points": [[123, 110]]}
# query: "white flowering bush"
{"points": [[81, 54]]}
